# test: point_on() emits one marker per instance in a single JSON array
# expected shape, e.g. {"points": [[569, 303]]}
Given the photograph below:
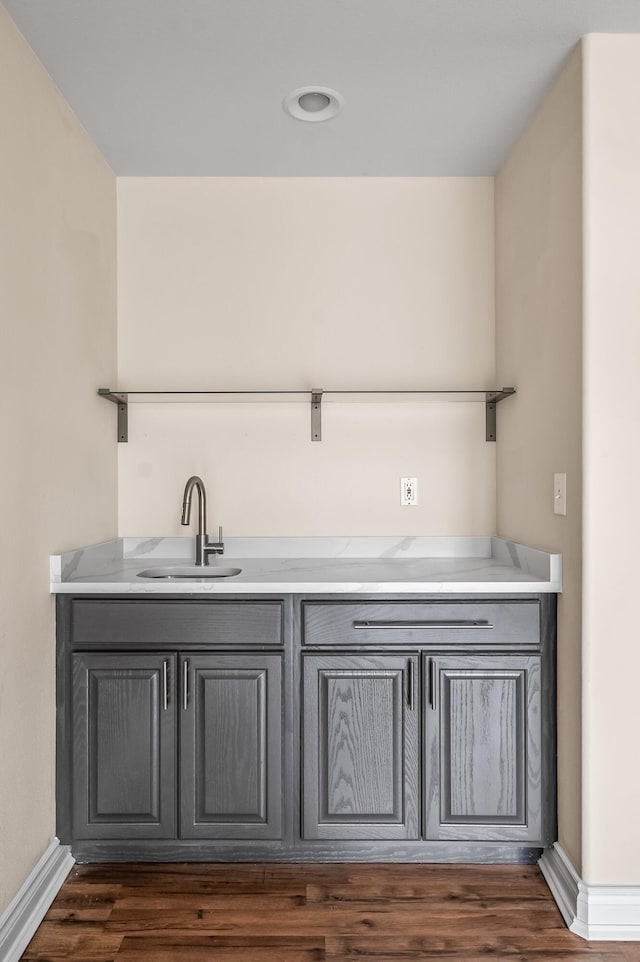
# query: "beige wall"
{"points": [[294, 283], [58, 477], [538, 338], [611, 646]]}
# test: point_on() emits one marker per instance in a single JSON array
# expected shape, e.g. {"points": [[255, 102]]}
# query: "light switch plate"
{"points": [[560, 494]]}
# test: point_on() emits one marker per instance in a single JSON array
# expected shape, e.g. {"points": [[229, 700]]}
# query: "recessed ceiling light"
{"points": [[313, 103]]}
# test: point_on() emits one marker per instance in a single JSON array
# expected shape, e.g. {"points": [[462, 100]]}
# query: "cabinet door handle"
{"points": [[185, 684], [165, 685], [435, 625], [433, 682], [410, 684]]}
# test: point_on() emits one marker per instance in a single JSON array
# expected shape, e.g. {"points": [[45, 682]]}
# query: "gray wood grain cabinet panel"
{"points": [[124, 746], [360, 747], [231, 746], [175, 624], [477, 623], [482, 738]]}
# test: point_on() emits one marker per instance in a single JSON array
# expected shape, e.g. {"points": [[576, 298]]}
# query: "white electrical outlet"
{"points": [[408, 492], [560, 494]]}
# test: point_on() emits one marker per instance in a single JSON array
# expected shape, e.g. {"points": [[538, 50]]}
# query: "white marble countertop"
{"points": [[373, 565]]}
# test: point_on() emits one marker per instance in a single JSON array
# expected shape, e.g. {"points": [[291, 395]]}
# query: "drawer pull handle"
{"points": [[410, 684], [185, 684], [165, 685], [435, 625], [433, 681]]}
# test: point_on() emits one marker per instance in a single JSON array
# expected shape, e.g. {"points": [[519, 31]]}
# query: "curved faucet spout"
{"points": [[197, 483]]}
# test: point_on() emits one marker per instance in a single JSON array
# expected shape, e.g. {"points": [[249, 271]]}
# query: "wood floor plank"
{"points": [[131, 872], [75, 903], [310, 913], [426, 893], [352, 923], [221, 949], [76, 942], [469, 949]]}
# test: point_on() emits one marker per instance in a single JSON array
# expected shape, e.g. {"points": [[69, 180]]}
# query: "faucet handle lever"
{"points": [[217, 547]]}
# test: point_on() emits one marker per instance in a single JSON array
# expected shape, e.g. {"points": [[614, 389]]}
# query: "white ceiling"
{"points": [[195, 87]]}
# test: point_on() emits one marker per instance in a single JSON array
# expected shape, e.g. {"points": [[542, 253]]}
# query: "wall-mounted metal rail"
{"points": [[315, 396]]}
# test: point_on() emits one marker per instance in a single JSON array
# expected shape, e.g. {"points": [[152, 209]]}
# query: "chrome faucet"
{"points": [[204, 547]]}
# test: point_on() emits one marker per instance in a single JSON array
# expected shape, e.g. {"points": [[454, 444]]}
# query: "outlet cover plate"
{"points": [[408, 492]]}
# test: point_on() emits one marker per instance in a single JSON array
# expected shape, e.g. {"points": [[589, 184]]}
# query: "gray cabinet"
{"points": [[231, 746], [360, 747], [482, 748], [306, 727], [123, 746], [131, 710], [487, 741]]}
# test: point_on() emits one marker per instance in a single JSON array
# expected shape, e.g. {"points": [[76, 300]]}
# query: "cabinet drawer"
{"points": [[481, 623], [177, 624]]}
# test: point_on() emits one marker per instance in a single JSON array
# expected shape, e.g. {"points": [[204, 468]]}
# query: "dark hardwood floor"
{"points": [[310, 913]]}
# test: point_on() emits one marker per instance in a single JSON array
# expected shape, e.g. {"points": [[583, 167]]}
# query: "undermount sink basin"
{"points": [[190, 571]]}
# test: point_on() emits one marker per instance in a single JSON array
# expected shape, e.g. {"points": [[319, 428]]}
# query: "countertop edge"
{"points": [[307, 588]]}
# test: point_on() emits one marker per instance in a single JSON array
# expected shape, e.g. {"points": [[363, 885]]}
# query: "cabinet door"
{"points": [[482, 737], [123, 746], [231, 746], [360, 747]]}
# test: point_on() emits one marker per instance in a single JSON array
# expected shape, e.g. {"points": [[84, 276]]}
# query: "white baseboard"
{"points": [[595, 912], [22, 917]]}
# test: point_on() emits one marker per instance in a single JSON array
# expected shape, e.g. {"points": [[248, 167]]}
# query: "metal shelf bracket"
{"points": [[316, 414], [491, 399], [120, 399]]}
